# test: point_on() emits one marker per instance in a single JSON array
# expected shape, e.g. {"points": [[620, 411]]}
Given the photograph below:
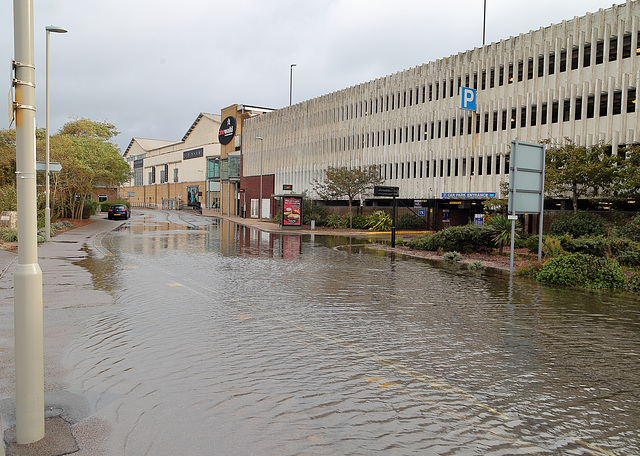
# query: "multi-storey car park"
{"points": [[577, 80]]}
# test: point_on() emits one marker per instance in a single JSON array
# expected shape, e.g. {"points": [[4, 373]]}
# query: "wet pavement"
{"points": [[194, 336]]}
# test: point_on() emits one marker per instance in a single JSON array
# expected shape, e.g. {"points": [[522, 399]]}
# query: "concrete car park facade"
{"points": [[573, 81], [577, 80]]}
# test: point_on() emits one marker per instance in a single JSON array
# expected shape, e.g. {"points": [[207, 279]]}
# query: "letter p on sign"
{"points": [[468, 99]]}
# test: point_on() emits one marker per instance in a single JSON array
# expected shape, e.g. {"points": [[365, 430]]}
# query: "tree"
{"points": [[500, 228], [89, 160], [342, 182], [629, 163], [580, 171]]}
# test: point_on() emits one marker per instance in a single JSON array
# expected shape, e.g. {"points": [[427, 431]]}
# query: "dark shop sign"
{"points": [[227, 130], [138, 163], [195, 153]]}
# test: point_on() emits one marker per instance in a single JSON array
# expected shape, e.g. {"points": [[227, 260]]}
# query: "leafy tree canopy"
{"points": [[580, 171]]}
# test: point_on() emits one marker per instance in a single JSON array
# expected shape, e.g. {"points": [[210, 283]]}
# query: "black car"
{"points": [[118, 211]]}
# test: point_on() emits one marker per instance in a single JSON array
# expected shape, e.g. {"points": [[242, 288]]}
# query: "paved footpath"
{"points": [[68, 298]]}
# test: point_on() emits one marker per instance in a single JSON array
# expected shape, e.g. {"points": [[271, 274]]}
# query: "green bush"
{"points": [[454, 257], [380, 221], [551, 247], [476, 265], [577, 225], [633, 283], [467, 238], [333, 221], [581, 270], [632, 229], [9, 234], [410, 221], [358, 221]]}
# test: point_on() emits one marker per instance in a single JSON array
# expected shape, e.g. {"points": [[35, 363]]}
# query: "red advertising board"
{"points": [[292, 211]]}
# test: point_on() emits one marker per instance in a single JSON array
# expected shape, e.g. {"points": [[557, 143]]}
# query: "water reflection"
{"points": [[289, 344]]}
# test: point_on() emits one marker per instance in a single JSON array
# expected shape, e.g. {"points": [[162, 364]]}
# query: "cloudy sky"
{"points": [[151, 66]]}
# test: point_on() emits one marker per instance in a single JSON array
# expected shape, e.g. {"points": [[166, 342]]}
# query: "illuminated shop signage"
{"points": [[227, 130], [195, 153]]}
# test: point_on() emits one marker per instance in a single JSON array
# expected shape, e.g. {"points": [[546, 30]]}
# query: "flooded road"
{"points": [[223, 340]]}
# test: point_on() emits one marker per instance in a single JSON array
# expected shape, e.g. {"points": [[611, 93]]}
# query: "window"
{"points": [[439, 129], [563, 60], [432, 130], [626, 46], [162, 177], [421, 169], [488, 165], [151, 177], [444, 89], [430, 92], [578, 111], [448, 167], [520, 70], [437, 90], [513, 118], [138, 179], [603, 104], [510, 73], [599, 52], [492, 78], [523, 116], [477, 124], [617, 103], [566, 111], [530, 68], [613, 48], [455, 167], [486, 122], [441, 168], [475, 81], [451, 87], [541, 66], [591, 102], [552, 63], [534, 114], [574, 57], [554, 112], [587, 55], [631, 100], [453, 126], [464, 166], [504, 119], [497, 164], [501, 76], [462, 125], [543, 114], [101, 198], [446, 128], [484, 79], [495, 121]]}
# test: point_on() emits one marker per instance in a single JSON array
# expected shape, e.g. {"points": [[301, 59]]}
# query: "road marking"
{"points": [[243, 317], [176, 285]]}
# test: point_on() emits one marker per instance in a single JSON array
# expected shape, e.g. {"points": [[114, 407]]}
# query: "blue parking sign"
{"points": [[422, 212], [468, 99]]}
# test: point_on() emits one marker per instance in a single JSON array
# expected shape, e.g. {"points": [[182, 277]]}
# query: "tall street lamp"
{"points": [[291, 83], [47, 209], [260, 197]]}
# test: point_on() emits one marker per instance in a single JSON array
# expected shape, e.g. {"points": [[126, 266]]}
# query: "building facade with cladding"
{"points": [[577, 80]]}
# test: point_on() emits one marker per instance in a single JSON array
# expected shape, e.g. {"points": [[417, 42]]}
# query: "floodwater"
{"points": [[223, 340]]}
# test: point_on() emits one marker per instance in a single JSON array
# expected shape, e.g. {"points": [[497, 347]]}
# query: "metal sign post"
{"points": [[526, 187]]}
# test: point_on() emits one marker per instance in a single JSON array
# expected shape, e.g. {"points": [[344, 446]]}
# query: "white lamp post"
{"points": [[47, 209], [260, 197]]}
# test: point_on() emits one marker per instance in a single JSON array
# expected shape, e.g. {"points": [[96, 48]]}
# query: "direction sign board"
{"points": [[54, 167], [468, 98], [526, 178], [381, 190]]}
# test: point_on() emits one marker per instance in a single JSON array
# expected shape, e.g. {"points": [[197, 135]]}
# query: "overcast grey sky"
{"points": [[151, 66]]}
